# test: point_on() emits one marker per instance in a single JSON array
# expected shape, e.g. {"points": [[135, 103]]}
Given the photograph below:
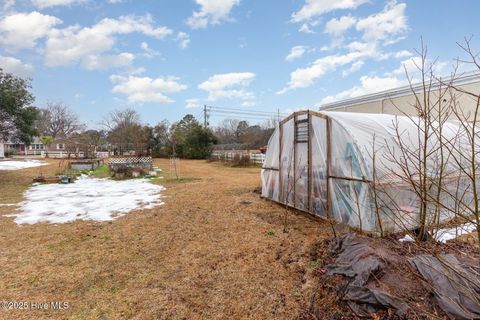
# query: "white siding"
{"points": [[388, 102]]}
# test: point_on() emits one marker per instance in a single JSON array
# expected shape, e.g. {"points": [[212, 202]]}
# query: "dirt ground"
{"points": [[215, 250]]}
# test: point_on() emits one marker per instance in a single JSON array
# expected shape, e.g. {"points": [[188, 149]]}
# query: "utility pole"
{"points": [[205, 116]]}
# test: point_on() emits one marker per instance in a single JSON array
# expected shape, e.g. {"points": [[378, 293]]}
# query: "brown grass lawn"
{"points": [[215, 250]]}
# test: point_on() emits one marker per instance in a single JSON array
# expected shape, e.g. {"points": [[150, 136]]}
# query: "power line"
{"points": [[244, 110], [239, 114], [241, 118], [199, 115], [246, 114]]}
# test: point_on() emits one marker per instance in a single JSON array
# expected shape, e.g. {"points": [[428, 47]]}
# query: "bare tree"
{"points": [[121, 118], [418, 155], [162, 133], [432, 159], [269, 124], [125, 131], [91, 140], [226, 131], [58, 120], [467, 159]]}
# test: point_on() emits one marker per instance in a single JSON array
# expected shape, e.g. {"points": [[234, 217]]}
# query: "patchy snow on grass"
{"points": [[407, 238], [443, 235], [87, 199], [17, 164]]}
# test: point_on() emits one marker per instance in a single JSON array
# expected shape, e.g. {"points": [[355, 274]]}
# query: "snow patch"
{"points": [[87, 199], [407, 238], [16, 164], [443, 235]]}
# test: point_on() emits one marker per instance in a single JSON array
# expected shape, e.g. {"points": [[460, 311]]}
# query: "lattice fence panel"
{"points": [[130, 162]]}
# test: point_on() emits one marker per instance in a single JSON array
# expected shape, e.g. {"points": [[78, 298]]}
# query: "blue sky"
{"points": [[168, 58]]}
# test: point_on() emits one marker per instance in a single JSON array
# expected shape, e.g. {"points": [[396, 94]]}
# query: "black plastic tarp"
{"points": [[456, 285], [454, 282], [358, 261]]}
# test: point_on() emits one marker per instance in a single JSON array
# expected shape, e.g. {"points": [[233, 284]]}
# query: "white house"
{"points": [[36, 148], [2, 150]]}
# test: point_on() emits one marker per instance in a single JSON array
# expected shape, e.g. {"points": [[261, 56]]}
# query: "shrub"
{"points": [[241, 160], [9, 153]]}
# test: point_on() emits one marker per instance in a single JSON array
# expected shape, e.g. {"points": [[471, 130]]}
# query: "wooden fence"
{"points": [[253, 157]]}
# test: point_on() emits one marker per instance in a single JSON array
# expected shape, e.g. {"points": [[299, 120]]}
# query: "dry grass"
{"points": [[215, 250]]}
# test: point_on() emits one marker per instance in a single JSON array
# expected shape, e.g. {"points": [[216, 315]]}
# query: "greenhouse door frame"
{"points": [[294, 116]]}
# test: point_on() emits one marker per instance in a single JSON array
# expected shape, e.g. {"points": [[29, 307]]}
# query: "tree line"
{"points": [[121, 130]]}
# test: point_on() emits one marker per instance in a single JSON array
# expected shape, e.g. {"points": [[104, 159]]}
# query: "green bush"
{"points": [[9, 153]]}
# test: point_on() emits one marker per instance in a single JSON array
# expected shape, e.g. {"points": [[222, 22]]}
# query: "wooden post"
{"points": [[329, 164], [280, 180], [294, 161], [309, 163]]}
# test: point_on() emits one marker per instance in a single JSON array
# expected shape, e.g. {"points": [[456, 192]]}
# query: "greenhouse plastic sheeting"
{"points": [[319, 166], [323, 163]]}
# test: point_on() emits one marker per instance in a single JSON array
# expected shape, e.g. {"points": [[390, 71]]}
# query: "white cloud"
{"points": [[314, 8], [440, 66], [367, 85], [249, 103], [296, 52], [403, 54], [115, 1], [89, 46], [145, 89], [53, 3], [15, 66], [100, 62], [410, 65], [211, 12], [135, 71], [337, 27], [229, 86], [390, 80], [148, 52], [130, 24], [192, 103], [383, 25], [307, 26], [354, 67], [376, 31], [72, 44], [413, 67], [183, 40], [305, 77], [22, 30]]}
